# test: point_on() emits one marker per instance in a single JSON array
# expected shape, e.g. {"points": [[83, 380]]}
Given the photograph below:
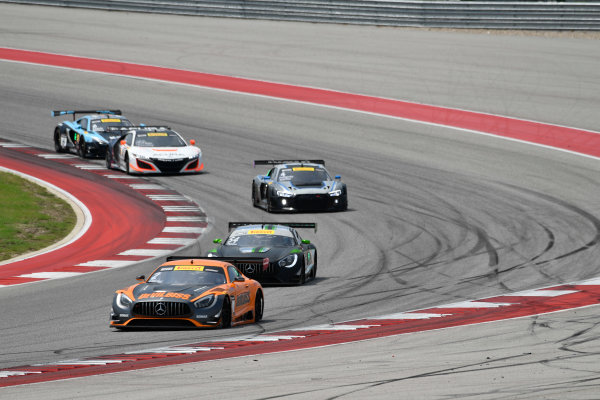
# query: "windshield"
{"points": [[259, 240], [102, 125], [304, 176], [195, 275], [158, 139]]}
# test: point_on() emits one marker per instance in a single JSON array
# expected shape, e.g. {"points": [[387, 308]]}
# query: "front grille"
{"points": [[312, 201], [161, 309], [170, 166], [252, 269]]}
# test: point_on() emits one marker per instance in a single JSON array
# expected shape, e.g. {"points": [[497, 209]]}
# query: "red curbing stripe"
{"points": [[570, 139], [581, 295]]}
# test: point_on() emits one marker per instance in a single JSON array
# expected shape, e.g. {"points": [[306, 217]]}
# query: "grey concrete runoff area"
{"points": [[428, 204]]}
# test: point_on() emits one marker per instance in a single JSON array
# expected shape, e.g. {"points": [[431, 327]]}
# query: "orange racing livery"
{"points": [[189, 293]]}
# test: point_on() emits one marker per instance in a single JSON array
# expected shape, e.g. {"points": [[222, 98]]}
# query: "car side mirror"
{"points": [[305, 241], [338, 177], [217, 241], [141, 278], [240, 279], [122, 142], [193, 142]]}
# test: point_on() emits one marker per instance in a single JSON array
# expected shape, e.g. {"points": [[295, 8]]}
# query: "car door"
{"points": [[308, 252], [241, 293]]}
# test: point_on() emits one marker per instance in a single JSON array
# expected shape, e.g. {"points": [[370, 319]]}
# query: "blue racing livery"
{"points": [[88, 135]]}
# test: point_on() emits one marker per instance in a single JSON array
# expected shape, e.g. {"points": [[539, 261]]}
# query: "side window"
{"points": [[129, 139], [297, 237], [83, 123], [233, 273]]}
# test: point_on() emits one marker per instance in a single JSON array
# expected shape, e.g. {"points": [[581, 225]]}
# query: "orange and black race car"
{"points": [[192, 293]]}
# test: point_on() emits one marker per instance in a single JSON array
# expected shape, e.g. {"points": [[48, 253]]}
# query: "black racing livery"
{"points": [[298, 185], [269, 252]]}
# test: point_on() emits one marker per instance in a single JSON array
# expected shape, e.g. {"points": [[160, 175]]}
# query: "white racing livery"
{"points": [[153, 150]]}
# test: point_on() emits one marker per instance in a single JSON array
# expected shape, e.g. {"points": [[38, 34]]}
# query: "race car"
{"points": [[298, 185], [89, 135], [153, 150], [189, 293], [270, 252]]}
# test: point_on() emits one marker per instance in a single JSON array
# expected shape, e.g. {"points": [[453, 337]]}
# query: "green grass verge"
{"points": [[31, 217]]}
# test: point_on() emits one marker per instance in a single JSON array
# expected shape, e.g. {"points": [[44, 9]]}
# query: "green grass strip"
{"points": [[31, 217]]}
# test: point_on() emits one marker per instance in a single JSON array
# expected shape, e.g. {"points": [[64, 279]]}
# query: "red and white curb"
{"points": [[185, 220], [501, 307]]}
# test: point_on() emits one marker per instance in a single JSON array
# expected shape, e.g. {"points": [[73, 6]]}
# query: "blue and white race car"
{"points": [[88, 136], [153, 150]]}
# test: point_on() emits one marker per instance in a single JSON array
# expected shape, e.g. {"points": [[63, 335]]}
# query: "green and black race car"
{"points": [[269, 252]]}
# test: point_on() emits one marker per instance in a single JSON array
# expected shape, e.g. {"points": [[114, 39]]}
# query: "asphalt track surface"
{"points": [[436, 215]]}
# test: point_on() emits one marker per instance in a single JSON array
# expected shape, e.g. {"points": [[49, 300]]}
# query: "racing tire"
{"points": [[254, 198], [127, 170], [302, 279], [269, 207], [313, 272], [57, 147], [107, 160], [226, 317], [81, 149], [259, 306]]}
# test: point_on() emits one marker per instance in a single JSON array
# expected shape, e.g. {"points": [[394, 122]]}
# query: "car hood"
{"points": [[165, 153], [272, 253], [312, 188], [157, 291]]}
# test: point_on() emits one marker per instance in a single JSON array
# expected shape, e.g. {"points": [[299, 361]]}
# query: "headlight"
{"points": [[205, 301], [288, 261], [139, 156], [284, 194], [335, 193], [123, 301]]}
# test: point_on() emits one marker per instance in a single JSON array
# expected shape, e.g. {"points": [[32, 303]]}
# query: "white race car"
{"points": [[153, 150]]}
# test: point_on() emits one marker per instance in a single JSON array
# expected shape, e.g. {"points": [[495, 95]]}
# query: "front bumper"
{"points": [[177, 314], [273, 273], [310, 202], [166, 166]]}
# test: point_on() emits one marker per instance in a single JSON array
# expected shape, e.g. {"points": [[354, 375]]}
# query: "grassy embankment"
{"points": [[31, 218]]}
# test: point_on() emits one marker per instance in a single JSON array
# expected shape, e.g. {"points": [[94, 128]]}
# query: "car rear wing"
{"points": [[73, 112], [296, 225], [276, 162], [237, 261]]}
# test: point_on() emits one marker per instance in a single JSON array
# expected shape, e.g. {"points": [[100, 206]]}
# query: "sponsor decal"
{"points": [[243, 298], [158, 134], [303, 169], [124, 315], [166, 269], [261, 232], [189, 268], [201, 316], [110, 120], [173, 295]]}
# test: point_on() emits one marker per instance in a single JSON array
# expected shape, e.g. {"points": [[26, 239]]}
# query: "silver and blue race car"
{"points": [[269, 252], [153, 150], [298, 185], [88, 136]]}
